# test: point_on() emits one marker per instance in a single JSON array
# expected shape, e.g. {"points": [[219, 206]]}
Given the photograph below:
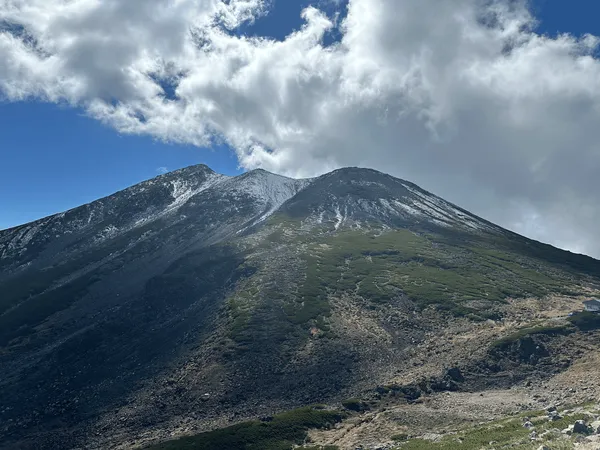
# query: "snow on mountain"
{"points": [[198, 198], [442, 212], [362, 197], [182, 191], [175, 198], [113, 215], [268, 188]]}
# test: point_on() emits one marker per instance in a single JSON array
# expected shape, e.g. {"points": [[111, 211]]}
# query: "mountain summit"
{"points": [[195, 300]]}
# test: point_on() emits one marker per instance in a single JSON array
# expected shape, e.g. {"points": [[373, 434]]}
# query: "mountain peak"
{"points": [[356, 171], [356, 196], [196, 169], [271, 189]]}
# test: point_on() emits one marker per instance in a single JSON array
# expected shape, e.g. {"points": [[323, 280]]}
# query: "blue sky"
{"points": [[54, 158]]}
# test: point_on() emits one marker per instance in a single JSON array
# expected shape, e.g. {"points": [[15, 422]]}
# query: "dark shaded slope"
{"points": [[111, 353]]}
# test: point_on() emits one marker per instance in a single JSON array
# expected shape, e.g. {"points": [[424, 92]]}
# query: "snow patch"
{"points": [[444, 212], [269, 190], [273, 190], [320, 218], [338, 217]]}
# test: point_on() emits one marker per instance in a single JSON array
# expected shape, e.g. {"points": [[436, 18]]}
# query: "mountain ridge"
{"points": [[204, 169], [165, 175]]}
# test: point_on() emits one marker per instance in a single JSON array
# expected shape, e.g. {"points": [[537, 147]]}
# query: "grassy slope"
{"points": [[281, 433], [447, 273], [464, 275], [507, 433]]}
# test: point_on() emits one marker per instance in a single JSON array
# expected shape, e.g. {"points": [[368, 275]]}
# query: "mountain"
{"points": [[195, 300]]}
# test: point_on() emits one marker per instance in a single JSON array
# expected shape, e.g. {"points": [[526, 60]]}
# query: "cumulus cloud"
{"points": [[460, 96]]}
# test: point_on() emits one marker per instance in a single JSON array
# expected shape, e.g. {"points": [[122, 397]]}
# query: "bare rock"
{"points": [[580, 427], [554, 415], [580, 439], [533, 436]]}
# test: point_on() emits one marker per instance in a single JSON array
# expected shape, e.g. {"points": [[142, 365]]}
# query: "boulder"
{"points": [[533, 436], [554, 415], [455, 374], [445, 384], [580, 427], [580, 439]]}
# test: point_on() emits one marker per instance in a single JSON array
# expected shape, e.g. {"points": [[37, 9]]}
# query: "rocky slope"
{"points": [[194, 300]]}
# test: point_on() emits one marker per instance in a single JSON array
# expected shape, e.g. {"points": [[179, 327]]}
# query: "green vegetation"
{"points": [[585, 320], [282, 433], [462, 275], [354, 404], [504, 434], [400, 437], [530, 331], [312, 302], [430, 269], [564, 422], [23, 287], [459, 274], [240, 310], [320, 447], [29, 299]]}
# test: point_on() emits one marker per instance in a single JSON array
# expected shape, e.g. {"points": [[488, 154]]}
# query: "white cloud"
{"points": [[460, 96], [161, 170]]}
